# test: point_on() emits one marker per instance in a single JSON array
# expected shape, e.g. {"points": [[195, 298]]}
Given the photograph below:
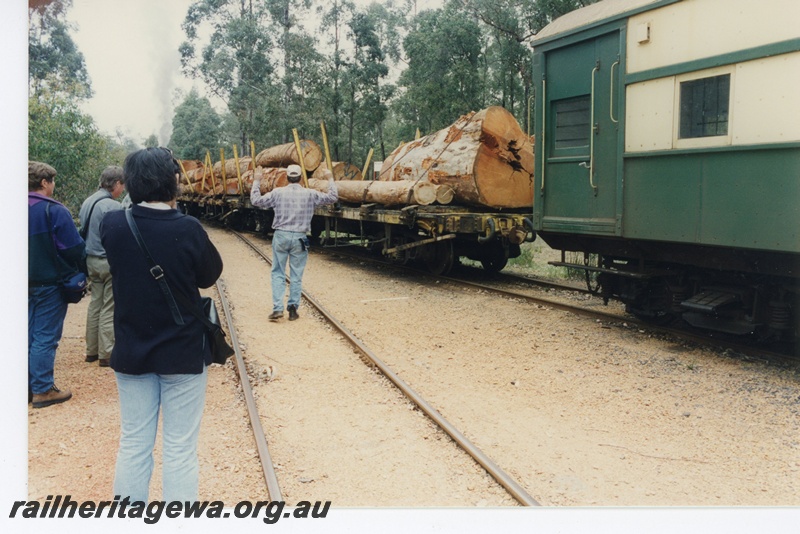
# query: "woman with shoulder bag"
{"points": [[161, 349]]}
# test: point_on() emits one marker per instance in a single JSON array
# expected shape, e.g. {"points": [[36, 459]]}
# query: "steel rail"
{"points": [[267, 466], [703, 338], [490, 466], [700, 338]]}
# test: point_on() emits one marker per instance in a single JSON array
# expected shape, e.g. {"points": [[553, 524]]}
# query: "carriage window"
{"points": [[572, 122], [704, 107]]}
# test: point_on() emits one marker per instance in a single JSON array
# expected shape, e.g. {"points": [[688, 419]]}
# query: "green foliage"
{"points": [[235, 64], [58, 132], [196, 128], [60, 135], [274, 76], [54, 61], [151, 141], [365, 98], [442, 80]]}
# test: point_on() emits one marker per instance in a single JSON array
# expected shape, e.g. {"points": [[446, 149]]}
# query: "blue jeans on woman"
{"points": [[291, 246], [46, 312], [181, 399]]}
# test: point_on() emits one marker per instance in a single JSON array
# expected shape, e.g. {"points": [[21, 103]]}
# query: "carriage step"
{"points": [[710, 301]]}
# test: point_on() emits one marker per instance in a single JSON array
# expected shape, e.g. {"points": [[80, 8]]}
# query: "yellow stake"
{"points": [[238, 172], [418, 134], [325, 144], [208, 172], [180, 162], [222, 165], [366, 165], [300, 156]]}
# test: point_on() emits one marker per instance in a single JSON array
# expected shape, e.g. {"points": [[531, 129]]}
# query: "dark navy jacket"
{"points": [[147, 339], [45, 269]]}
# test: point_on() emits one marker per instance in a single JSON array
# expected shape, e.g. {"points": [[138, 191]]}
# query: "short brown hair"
{"points": [[38, 171], [110, 176]]}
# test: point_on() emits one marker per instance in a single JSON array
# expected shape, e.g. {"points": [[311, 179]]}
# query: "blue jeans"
{"points": [[46, 312], [288, 246], [181, 399]]}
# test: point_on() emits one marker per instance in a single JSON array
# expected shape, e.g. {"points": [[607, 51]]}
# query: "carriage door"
{"points": [[578, 185]]}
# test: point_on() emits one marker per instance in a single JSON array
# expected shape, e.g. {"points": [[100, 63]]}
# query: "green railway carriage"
{"points": [[668, 152]]}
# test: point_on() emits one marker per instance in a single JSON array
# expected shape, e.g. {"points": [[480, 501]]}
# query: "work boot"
{"points": [[293, 312], [104, 362], [274, 316], [51, 396], [90, 359]]}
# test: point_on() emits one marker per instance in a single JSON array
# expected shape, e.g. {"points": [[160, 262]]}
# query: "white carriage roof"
{"points": [[605, 9]]}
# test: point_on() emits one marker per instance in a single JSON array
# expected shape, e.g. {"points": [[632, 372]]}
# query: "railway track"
{"points": [[371, 359], [503, 283]]}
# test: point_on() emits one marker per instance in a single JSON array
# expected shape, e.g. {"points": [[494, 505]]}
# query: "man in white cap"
{"points": [[294, 207]]}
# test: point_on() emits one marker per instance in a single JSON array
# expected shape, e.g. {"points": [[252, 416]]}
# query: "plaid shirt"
{"points": [[293, 204]]}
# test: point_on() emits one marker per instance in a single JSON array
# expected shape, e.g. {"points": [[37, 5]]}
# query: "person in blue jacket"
{"points": [[55, 250]]}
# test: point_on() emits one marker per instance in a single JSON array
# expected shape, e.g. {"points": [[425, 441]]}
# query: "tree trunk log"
{"points": [[286, 154], [484, 157], [245, 164], [386, 193], [341, 171]]}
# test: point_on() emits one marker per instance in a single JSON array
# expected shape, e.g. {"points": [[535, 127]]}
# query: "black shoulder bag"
{"points": [[220, 350], [74, 286]]}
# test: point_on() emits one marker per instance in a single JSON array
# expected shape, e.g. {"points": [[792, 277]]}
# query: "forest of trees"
{"points": [[59, 133], [374, 74]]}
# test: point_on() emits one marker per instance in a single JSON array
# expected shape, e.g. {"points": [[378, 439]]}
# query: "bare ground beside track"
{"points": [[580, 413]]}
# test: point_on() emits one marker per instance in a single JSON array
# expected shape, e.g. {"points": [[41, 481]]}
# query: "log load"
{"points": [[286, 154], [191, 164], [199, 182], [399, 193], [271, 178], [484, 157], [245, 164], [341, 171]]}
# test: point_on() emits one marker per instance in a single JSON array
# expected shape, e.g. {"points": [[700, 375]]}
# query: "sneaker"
{"points": [[52, 396], [274, 316], [90, 359], [104, 362], [293, 312]]}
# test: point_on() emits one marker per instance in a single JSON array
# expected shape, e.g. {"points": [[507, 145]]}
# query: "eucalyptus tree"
{"points": [[292, 42], [54, 61], [235, 62], [509, 26], [442, 80], [196, 128], [372, 31], [306, 78], [59, 133], [334, 19], [151, 141]]}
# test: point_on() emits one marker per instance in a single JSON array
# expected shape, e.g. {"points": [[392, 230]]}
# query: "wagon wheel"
{"points": [[494, 263], [591, 278], [439, 257]]}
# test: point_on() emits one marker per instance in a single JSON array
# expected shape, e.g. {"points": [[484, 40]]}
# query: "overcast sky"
{"points": [[131, 54]]}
